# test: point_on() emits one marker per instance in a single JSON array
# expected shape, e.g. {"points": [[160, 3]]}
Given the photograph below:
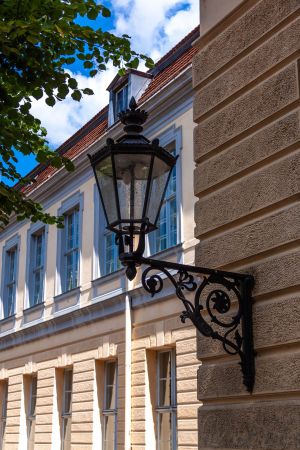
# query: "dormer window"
{"points": [[122, 88], [121, 100]]}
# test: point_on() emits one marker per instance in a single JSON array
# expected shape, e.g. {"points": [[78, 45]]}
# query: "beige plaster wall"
{"points": [[81, 349], [247, 150]]}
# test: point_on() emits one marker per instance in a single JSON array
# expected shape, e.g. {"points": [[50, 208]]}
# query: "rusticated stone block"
{"points": [[274, 323], [263, 144], [248, 69], [265, 187], [277, 229], [280, 272], [253, 107], [255, 23], [222, 380], [263, 426]]}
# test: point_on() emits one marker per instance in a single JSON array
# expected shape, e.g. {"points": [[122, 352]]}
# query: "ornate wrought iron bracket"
{"points": [[221, 304]]}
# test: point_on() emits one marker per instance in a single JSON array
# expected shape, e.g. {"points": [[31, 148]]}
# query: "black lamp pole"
{"points": [[132, 175]]}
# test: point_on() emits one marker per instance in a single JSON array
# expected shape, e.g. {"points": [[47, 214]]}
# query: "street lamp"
{"points": [[132, 176]]}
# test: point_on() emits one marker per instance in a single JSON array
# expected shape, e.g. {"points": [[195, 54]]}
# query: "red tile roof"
{"points": [[166, 69]]}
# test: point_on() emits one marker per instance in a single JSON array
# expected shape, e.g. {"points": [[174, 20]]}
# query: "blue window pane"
{"points": [[10, 284], [166, 234], [112, 262], [71, 263], [37, 268]]}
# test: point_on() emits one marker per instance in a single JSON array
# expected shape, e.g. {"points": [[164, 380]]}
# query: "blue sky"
{"points": [[155, 26]]}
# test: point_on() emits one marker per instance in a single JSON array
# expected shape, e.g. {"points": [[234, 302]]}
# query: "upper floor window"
{"points": [[30, 411], [37, 267], [110, 406], [70, 269], [166, 438], [111, 253], [10, 281], [166, 235], [3, 411], [121, 100], [66, 410]]}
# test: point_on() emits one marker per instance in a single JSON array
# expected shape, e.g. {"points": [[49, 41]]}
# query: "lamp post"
{"points": [[132, 176]]}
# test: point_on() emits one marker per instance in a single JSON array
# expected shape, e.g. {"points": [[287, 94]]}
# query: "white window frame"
{"points": [[100, 234], [172, 408], [115, 94], [73, 202], [34, 230], [171, 135], [3, 412], [31, 411], [10, 245], [65, 415], [114, 411]]}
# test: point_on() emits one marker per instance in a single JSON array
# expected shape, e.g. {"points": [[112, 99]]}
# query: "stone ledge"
{"points": [[255, 24], [262, 59], [260, 425], [263, 101], [279, 228]]}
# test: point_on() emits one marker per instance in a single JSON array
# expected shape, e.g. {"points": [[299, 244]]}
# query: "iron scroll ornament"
{"points": [[221, 300]]}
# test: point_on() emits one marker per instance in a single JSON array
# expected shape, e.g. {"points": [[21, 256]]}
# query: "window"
{"points": [[111, 253], [66, 410], [10, 281], [166, 401], [110, 406], [4, 396], [121, 100], [37, 269], [71, 250], [167, 230], [30, 412]]}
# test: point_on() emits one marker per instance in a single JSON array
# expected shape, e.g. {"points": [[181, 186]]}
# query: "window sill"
{"points": [[176, 250], [7, 323], [108, 277], [33, 313], [67, 299]]}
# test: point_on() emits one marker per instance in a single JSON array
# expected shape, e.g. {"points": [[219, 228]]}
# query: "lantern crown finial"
{"points": [[133, 118]]}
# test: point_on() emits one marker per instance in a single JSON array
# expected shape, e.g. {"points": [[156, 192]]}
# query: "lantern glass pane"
{"points": [[132, 171], [104, 172], [159, 180]]}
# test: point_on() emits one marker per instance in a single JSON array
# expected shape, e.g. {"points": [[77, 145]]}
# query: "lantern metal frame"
{"points": [[221, 307]]}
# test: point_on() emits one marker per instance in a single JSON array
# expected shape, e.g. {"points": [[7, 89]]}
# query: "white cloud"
{"points": [[155, 26], [67, 116]]}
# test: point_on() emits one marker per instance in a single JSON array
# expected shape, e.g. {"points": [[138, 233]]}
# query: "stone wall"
{"points": [[247, 180]]}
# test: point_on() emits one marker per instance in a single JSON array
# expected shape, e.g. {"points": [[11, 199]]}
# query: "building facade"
{"points": [[89, 360], [247, 149]]}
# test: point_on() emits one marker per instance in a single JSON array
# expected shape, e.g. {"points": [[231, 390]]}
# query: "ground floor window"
{"points": [[166, 436], [110, 406]]}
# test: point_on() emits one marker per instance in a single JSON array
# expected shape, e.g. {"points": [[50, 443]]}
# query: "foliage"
{"points": [[39, 39]]}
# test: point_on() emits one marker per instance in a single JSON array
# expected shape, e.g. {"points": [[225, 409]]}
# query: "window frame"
{"points": [[167, 138], [66, 415], [70, 204], [3, 418], [110, 411], [31, 415], [35, 230], [122, 90], [172, 408], [12, 244]]}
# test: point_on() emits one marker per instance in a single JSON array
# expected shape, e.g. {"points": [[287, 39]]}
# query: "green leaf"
{"points": [[93, 73], [105, 12], [76, 95], [88, 91], [37, 93], [50, 101], [92, 14], [72, 83], [88, 64]]}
